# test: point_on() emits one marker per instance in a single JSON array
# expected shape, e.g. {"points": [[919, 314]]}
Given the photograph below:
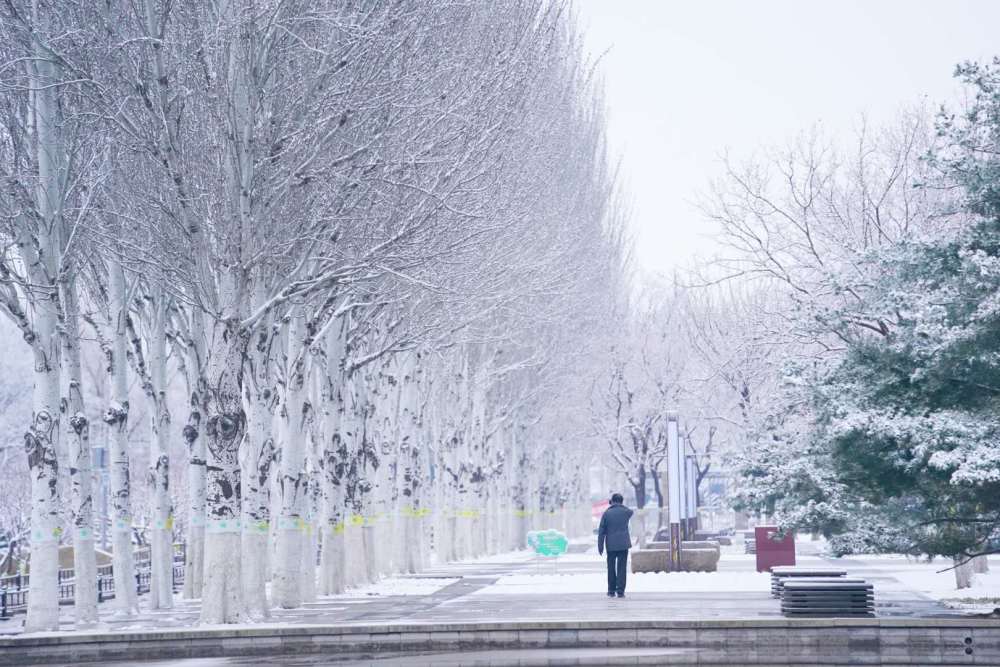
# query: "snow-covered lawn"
{"points": [[936, 580], [982, 597], [549, 583]]}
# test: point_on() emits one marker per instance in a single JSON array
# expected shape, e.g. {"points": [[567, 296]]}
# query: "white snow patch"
{"points": [[396, 586], [509, 557], [588, 557]]}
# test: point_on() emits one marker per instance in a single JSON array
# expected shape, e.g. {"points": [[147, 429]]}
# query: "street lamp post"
{"points": [[674, 490]]}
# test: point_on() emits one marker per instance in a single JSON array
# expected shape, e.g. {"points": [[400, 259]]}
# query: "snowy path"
{"points": [[518, 587]]}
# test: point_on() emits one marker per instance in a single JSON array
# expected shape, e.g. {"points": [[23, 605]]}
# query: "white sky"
{"points": [[686, 81]]}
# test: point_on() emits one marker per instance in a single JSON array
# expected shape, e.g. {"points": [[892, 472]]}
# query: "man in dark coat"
{"points": [[613, 533]]}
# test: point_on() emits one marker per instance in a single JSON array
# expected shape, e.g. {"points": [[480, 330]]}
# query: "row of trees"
{"points": [[879, 265], [345, 255], [678, 348]]}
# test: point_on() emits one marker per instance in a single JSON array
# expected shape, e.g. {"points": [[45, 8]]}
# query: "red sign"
{"points": [[597, 509], [772, 551]]}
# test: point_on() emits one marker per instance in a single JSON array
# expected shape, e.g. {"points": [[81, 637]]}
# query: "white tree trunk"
{"points": [[81, 473], [116, 417], [980, 565], [356, 486], [256, 471], [963, 572], [297, 414], [161, 538], [40, 444], [309, 539], [259, 456], [225, 427], [41, 248], [410, 477], [383, 423], [194, 552], [333, 461]]}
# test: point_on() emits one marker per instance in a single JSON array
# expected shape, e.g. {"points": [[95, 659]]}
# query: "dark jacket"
{"points": [[613, 531]]}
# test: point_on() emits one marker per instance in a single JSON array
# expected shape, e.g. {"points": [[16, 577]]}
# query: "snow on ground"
{"points": [[589, 557], [507, 557], [936, 580], [392, 586], [549, 583], [886, 557], [982, 597], [519, 556]]}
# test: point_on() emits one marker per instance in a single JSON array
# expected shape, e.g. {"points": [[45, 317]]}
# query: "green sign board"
{"points": [[547, 542]]}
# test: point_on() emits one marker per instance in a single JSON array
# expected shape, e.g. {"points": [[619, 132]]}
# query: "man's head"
{"points": [[616, 499]]}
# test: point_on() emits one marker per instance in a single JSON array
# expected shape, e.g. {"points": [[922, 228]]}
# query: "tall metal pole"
{"points": [[682, 471], [674, 491], [100, 468], [692, 493]]}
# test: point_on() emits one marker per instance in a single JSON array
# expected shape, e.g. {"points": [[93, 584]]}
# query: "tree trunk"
{"points": [[194, 552], [41, 251], [980, 565], [256, 471], [333, 461], [78, 436], [383, 421], [660, 504], [309, 536], [297, 417], [158, 480], [356, 486], [225, 427], [640, 502], [410, 479], [41, 447], [963, 572], [260, 452], [116, 417]]}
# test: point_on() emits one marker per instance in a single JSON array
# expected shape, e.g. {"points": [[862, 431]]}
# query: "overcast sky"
{"points": [[687, 80]]}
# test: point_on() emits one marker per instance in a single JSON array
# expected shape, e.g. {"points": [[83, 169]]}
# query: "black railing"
{"points": [[105, 583], [14, 588], [13, 602]]}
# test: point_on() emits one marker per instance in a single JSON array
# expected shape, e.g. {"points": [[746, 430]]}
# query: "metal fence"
{"points": [[14, 589]]}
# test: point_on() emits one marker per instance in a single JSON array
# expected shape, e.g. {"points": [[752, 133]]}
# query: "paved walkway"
{"points": [[517, 587]]}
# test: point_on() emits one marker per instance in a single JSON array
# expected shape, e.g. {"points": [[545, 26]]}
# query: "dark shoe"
{"points": [[611, 595], [621, 595]]}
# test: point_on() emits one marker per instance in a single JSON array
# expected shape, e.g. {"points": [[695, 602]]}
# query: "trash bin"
{"points": [[772, 551]]}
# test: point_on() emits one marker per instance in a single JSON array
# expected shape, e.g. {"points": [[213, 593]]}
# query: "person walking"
{"points": [[613, 534]]}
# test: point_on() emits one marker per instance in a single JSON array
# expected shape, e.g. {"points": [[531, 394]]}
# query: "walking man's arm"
{"points": [[602, 532]]}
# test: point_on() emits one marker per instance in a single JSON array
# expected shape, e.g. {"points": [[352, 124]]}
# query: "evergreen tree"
{"points": [[894, 445]]}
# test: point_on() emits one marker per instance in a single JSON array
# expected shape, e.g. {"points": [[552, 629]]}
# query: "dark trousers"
{"points": [[616, 570]]}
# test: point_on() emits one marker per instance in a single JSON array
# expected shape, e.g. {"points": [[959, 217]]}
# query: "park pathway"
{"points": [[518, 587]]}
